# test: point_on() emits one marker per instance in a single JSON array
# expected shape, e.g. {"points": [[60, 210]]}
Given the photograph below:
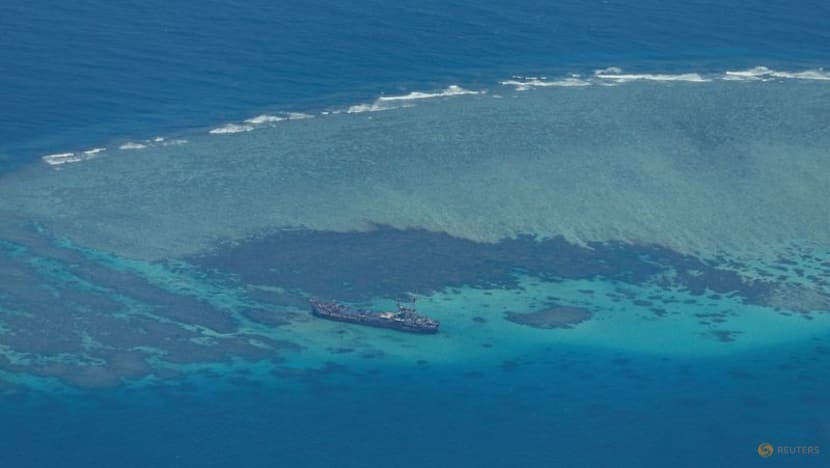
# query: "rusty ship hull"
{"points": [[405, 319]]}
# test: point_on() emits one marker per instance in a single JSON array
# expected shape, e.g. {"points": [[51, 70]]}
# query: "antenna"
{"points": [[410, 298]]}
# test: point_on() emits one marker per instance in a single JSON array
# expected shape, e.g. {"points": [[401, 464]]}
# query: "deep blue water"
{"points": [[75, 75], [575, 409]]}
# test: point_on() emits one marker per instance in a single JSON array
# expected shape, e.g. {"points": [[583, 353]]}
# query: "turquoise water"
{"points": [[649, 179]]}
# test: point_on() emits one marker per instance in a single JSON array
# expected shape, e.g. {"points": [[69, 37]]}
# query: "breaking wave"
{"points": [[610, 76], [766, 74], [130, 145], [525, 83], [262, 120], [615, 75], [232, 128], [395, 102]]}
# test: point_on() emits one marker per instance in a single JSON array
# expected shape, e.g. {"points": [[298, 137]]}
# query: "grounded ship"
{"points": [[405, 319]]}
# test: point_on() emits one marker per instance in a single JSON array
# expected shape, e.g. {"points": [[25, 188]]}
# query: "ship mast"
{"points": [[407, 308]]}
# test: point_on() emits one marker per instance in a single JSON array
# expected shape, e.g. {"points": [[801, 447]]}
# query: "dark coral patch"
{"points": [[47, 334], [311, 375], [553, 317], [659, 312], [265, 316], [386, 262], [177, 307], [108, 368], [249, 347], [724, 336], [139, 331], [372, 354], [509, 365]]}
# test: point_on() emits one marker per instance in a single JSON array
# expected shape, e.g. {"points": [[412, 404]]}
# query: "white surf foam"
{"points": [[131, 145], [59, 159], [752, 74], [616, 75], [396, 102], [373, 107], [452, 90], [767, 74], [264, 119], [232, 128], [299, 116], [94, 151], [612, 76], [820, 75], [609, 76], [526, 83], [259, 121]]}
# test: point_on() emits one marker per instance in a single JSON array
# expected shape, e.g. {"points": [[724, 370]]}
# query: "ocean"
{"points": [[615, 209]]}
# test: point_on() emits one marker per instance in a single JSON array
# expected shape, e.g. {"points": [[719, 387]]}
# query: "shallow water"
{"points": [[707, 167]]}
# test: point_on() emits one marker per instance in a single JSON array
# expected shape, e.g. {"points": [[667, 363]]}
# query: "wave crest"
{"points": [[614, 76]]}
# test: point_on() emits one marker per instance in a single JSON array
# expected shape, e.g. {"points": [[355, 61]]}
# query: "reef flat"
{"points": [[733, 167]]}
